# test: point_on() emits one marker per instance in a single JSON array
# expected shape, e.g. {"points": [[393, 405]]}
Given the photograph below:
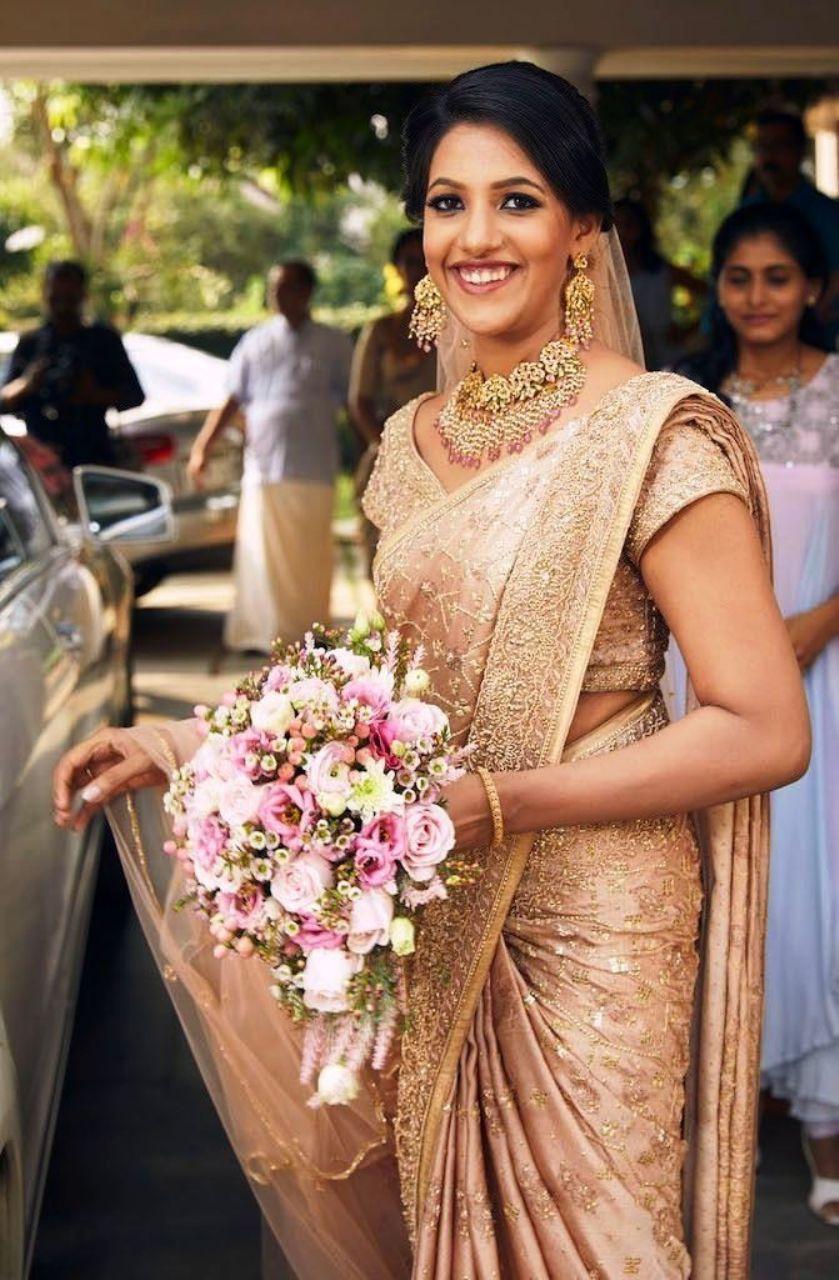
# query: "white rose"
{"points": [[370, 920], [239, 801], [352, 664], [273, 713], [337, 1085], [298, 885], [206, 798], [326, 977]]}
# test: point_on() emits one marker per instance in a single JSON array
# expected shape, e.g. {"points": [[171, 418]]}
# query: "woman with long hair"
{"points": [[767, 357], [570, 1103]]}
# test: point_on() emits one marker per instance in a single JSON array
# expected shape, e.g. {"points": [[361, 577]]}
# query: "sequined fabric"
{"points": [[801, 429], [632, 638], [568, 1106]]}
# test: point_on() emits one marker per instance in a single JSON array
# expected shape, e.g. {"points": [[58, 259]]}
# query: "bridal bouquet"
{"points": [[311, 833]]}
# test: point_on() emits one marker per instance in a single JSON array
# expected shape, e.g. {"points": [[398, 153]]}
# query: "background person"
{"points": [[289, 376], [766, 357], [779, 150], [653, 280], [64, 375], [389, 369]]}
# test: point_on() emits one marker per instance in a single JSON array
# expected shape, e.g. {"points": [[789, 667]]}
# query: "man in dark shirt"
{"points": [[64, 376]]}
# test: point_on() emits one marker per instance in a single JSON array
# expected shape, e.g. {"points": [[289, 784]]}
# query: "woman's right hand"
{"points": [[102, 767]]}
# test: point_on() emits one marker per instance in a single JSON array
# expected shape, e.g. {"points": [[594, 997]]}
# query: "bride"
{"points": [[577, 1076]]}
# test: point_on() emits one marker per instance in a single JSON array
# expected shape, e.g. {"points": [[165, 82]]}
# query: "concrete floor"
{"points": [[143, 1185]]}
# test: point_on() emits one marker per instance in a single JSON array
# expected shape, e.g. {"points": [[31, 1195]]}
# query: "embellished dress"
{"points": [[574, 1093], [797, 440]]}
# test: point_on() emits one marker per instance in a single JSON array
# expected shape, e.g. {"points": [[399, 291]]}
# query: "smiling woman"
{"points": [[571, 1105]]}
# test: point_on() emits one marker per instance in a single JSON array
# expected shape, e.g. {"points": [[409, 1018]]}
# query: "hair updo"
{"points": [[545, 115]]}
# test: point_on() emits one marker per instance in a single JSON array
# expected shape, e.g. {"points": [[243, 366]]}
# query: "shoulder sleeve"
{"points": [[237, 371], [686, 465], [364, 380]]}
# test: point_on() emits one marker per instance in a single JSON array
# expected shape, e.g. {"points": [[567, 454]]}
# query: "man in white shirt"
{"points": [[289, 376]]}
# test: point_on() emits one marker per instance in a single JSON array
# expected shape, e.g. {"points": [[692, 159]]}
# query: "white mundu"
{"points": [[290, 383]]}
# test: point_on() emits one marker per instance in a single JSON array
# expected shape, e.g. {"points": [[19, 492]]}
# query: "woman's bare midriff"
{"points": [[594, 709]]}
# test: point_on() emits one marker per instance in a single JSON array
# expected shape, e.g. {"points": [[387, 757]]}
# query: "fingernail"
{"points": [[92, 793]]}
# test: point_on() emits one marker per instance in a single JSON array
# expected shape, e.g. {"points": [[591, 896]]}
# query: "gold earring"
{"points": [[579, 304], [429, 314]]}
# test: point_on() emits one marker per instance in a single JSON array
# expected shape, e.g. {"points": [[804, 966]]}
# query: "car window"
{"points": [[24, 532]]}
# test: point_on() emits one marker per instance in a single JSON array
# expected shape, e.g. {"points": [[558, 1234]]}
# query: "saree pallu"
{"points": [[541, 1074]]}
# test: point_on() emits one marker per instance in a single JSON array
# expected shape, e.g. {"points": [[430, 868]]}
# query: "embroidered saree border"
{"points": [[530, 687]]}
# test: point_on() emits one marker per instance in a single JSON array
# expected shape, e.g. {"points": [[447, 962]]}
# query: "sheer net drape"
{"points": [[315, 1173]]}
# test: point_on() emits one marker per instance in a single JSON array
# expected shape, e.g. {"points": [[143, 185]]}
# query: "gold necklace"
{"points": [[485, 417]]}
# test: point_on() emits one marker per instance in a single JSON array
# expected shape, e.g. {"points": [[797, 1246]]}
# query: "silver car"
{"points": [[181, 385], [65, 623]]}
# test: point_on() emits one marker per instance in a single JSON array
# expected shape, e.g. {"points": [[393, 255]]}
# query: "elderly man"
{"points": [[289, 376]]}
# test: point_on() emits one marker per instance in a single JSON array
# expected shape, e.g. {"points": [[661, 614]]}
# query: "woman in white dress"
{"points": [[767, 362]]}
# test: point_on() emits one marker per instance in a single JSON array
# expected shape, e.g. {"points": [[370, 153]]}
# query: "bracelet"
{"points": [[494, 805]]}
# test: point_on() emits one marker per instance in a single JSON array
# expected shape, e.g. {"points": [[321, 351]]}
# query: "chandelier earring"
{"points": [[429, 315], [579, 304]]}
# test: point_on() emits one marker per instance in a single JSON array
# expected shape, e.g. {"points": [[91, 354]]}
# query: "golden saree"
{"points": [[506, 581], [540, 1123]]}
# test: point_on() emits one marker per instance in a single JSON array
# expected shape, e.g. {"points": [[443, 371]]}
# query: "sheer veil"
{"points": [[615, 318]]}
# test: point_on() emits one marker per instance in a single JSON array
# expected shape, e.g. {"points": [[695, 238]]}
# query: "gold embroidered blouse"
{"points": [[632, 638]]}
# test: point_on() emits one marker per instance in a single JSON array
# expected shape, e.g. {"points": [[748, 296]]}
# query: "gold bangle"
{"points": [[494, 805]]}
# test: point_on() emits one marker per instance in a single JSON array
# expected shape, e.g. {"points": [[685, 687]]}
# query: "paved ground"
{"points": [[143, 1185]]}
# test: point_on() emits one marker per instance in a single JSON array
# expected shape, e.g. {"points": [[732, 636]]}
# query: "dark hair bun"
{"points": [[549, 119]]}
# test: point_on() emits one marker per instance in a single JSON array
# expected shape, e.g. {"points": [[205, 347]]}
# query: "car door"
{"points": [[62, 666]]}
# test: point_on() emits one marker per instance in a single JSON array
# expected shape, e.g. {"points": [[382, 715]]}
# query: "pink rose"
{"points": [[328, 771], [298, 885], [412, 719], [429, 838], [287, 811], [374, 690], [207, 840], [243, 910], [370, 921], [382, 737], [378, 846], [239, 801], [326, 978], [277, 677], [314, 935]]}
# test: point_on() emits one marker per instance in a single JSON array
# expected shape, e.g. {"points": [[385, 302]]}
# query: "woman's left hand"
{"points": [[468, 807], [811, 631]]}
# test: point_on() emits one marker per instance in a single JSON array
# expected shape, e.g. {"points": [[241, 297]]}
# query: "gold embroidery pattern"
{"points": [[508, 630], [512, 666]]}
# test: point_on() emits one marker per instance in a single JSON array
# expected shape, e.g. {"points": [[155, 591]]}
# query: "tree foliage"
{"points": [[177, 196]]}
